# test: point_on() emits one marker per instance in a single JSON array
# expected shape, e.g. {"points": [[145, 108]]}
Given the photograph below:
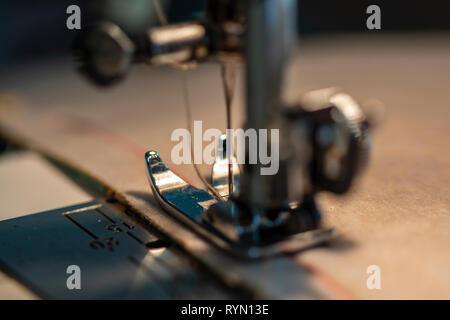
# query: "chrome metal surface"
{"points": [[270, 39], [183, 201], [174, 191], [118, 258], [219, 174]]}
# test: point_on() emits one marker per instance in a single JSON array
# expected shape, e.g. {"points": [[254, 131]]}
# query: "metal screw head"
{"points": [[105, 53]]}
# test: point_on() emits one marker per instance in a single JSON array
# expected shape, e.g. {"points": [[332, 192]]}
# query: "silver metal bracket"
{"points": [[219, 173], [208, 217]]}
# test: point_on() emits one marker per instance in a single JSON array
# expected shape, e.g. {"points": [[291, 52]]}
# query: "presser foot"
{"points": [[228, 224]]}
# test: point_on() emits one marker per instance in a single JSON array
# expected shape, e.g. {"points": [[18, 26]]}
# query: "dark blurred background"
{"points": [[37, 29]]}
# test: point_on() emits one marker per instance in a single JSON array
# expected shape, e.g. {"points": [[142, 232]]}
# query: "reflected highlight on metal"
{"points": [[219, 174]]}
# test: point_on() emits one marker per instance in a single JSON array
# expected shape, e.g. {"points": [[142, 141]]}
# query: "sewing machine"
{"points": [[324, 141], [143, 224]]}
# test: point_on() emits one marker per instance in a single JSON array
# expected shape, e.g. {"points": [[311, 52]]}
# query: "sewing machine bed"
{"points": [[397, 217]]}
